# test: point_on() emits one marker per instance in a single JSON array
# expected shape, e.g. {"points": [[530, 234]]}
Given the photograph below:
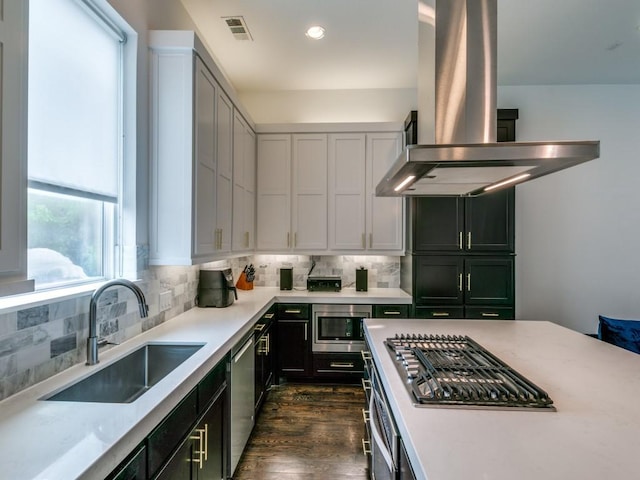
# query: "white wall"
{"points": [[322, 106], [577, 231]]}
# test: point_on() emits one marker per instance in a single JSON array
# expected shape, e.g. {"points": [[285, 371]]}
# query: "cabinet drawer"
{"points": [[293, 311], [439, 312], [211, 383], [489, 313], [391, 311], [338, 364], [170, 433]]}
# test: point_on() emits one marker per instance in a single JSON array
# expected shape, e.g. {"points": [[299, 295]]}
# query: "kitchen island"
{"points": [[592, 434], [52, 440]]}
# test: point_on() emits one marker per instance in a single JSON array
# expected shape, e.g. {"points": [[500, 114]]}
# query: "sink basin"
{"points": [[126, 379]]}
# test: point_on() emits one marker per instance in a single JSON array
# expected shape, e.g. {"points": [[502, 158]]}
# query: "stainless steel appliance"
{"points": [[216, 288], [455, 371], [383, 440], [338, 328], [324, 284], [242, 396], [460, 86]]}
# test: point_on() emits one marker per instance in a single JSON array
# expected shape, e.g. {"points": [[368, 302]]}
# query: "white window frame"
{"points": [[123, 259]]}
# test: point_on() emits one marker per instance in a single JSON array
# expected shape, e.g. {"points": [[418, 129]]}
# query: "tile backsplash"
{"points": [[383, 272], [42, 339]]}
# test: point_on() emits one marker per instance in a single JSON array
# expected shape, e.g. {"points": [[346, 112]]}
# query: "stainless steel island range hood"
{"points": [[466, 160]]}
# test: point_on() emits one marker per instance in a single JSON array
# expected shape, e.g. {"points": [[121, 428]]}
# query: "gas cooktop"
{"points": [[455, 371]]}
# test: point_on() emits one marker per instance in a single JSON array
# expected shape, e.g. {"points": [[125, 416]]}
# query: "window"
{"points": [[75, 142]]}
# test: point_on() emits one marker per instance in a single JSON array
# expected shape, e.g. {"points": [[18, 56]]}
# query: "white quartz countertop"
{"points": [[67, 440], [595, 388]]}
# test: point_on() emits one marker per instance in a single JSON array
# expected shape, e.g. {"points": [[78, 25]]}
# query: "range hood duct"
{"points": [[466, 159]]}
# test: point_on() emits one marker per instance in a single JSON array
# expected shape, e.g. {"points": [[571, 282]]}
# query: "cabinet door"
{"points": [[224, 178], [210, 448], [309, 208], [294, 348], [385, 217], [439, 280], [13, 147], [489, 221], [133, 468], [205, 177], [347, 167], [438, 223], [274, 195], [181, 465], [239, 233], [250, 188], [489, 281], [170, 433]]}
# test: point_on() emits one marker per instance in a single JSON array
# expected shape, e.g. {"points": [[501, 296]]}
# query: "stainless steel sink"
{"points": [[126, 379]]}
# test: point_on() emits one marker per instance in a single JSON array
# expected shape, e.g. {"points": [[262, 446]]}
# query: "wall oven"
{"points": [[338, 328]]}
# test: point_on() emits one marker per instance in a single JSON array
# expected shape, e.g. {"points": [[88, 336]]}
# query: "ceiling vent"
{"points": [[238, 28]]}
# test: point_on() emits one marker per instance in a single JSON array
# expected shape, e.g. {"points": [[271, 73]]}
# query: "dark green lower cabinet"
{"points": [[180, 466], [191, 443], [133, 468]]}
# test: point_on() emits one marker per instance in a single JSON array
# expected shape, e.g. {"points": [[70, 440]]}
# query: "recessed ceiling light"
{"points": [[316, 32]]}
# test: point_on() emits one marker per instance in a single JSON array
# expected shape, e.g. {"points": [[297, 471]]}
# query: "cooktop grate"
{"points": [[455, 371]]}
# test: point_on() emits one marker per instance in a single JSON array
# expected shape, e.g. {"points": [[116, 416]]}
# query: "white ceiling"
{"points": [[374, 43]]}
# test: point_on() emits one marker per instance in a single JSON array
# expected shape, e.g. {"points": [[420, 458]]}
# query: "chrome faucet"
{"points": [[92, 341]]}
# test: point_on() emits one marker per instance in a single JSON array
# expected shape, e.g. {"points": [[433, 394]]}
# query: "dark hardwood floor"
{"points": [[310, 432]]}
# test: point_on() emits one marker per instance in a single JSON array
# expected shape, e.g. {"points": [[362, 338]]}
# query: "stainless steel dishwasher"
{"points": [[242, 396]]}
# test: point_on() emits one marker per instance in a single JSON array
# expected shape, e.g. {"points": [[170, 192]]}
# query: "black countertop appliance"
{"points": [[216, 288]]}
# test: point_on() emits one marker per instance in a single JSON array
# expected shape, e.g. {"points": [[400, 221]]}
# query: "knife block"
{"points": [[242, 283]]}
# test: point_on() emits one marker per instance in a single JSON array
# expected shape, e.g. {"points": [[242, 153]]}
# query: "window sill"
{"points": [[34, 299]]}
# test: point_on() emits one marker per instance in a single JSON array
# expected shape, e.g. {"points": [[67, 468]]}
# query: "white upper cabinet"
{"points": [[385, 215], [309, 207], [191, 155], [244, 178], [274, 193], [316, 193], [224, 178], [347, 194], [13, 148], [292, 193]]}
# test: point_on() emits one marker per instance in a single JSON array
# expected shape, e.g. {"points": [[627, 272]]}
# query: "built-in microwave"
{"points": [[338, 328]]}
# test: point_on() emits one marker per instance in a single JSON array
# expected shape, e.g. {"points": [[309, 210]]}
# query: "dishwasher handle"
{"points": [[244, 348]]}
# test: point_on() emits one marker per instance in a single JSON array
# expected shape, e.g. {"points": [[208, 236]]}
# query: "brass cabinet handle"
{"points": [[246, 242], [460, 282], [468, 240], [268, 335], [295, 239], [366, 447], [305, 331], [460, 241], [366, 356], [391, 312], [201, 452], [293, 311], [268, 316], [366, 385], [365, 415], [490, 314], [288, 239], [364, 241], [371, 240], [468, 282], [440, 314], [259, 328], [341, 364]]}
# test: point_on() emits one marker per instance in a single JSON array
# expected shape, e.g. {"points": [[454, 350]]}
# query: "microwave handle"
{"points": [[375, 434]]}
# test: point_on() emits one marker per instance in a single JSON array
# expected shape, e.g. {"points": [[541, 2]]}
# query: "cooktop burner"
{"points": [[455, 371]]}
